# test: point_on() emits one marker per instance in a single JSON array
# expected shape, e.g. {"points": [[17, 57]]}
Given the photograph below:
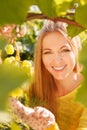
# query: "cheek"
{"points": [[46, 62], [72, 60]]}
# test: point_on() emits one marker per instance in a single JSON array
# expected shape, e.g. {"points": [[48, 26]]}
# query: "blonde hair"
{"points": [[44, 87]]}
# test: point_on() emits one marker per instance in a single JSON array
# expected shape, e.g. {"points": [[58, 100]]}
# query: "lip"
{"points": [[59, 68]]}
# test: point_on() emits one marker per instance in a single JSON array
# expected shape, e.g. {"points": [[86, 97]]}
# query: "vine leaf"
{"points": [[11, 77], [54, 8], [14, 11], [81, 15], [73, 30]]}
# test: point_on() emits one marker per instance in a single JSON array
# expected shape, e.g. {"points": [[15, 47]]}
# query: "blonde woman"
{"points": [[56, 81]]}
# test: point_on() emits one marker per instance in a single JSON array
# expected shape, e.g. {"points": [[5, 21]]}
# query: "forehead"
{"points": [[54, 39]]}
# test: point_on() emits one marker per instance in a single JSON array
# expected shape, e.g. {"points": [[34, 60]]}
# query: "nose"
{"points": [[57, 57]]}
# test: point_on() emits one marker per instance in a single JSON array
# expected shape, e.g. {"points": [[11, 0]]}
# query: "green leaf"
{"points": [[47, 8], [10, 78], [73, 30], [81, 15], [62, 6], [53, 8], [14, 11]]}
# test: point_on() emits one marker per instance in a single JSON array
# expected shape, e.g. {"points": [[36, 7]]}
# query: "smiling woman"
{"points": [[58, 56], [57, 78]]}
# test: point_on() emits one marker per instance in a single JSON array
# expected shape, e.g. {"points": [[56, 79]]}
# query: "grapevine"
{"points": [[13, 55]]}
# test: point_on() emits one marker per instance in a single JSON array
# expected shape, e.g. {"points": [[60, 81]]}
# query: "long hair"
{"points": [[44, 87]]}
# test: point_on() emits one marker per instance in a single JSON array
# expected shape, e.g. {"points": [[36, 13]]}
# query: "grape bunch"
{"points": [[15, 53], [25, 65]]}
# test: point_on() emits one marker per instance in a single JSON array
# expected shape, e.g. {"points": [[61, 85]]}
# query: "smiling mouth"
{"points": [[59, 68]]}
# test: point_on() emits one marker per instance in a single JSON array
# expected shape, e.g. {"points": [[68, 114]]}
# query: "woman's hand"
{"points": [[38, 118]]}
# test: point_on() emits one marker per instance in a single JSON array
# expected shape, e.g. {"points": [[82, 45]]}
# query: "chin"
{"points": [[62, 77], [59, 78]]}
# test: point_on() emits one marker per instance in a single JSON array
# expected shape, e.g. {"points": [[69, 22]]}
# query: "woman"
{"points": [[57, 79]]}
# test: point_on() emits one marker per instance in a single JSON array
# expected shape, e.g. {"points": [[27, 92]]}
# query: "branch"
{"points": [[32, 16]]}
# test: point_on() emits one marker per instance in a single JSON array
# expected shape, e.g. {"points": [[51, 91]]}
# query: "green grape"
{"points": [[26, 66], [9, 60], [9, 49], [12, 58]]}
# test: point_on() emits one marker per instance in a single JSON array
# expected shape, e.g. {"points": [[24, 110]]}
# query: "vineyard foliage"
{"points": [[20, 22]]}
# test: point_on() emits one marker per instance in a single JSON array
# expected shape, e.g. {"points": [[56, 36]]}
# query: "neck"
{"points": [[67, 85]]}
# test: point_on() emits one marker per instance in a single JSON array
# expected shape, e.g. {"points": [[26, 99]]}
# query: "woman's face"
{"points": [[57, 55]]}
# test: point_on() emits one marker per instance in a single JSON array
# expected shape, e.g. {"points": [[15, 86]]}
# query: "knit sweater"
{"points": [[71, 115]]}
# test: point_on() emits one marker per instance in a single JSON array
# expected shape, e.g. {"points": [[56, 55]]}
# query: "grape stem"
{"points": [[31, 16], [17, 51]]}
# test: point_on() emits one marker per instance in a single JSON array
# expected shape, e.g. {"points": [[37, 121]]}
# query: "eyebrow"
{"points": [[64, 46], [47, 49]]}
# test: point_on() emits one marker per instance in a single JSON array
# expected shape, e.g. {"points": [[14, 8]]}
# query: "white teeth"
{"points": [[59, 68]]}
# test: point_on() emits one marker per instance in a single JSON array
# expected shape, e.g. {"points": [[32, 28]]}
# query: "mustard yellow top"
{"points": [[71, 115]]}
